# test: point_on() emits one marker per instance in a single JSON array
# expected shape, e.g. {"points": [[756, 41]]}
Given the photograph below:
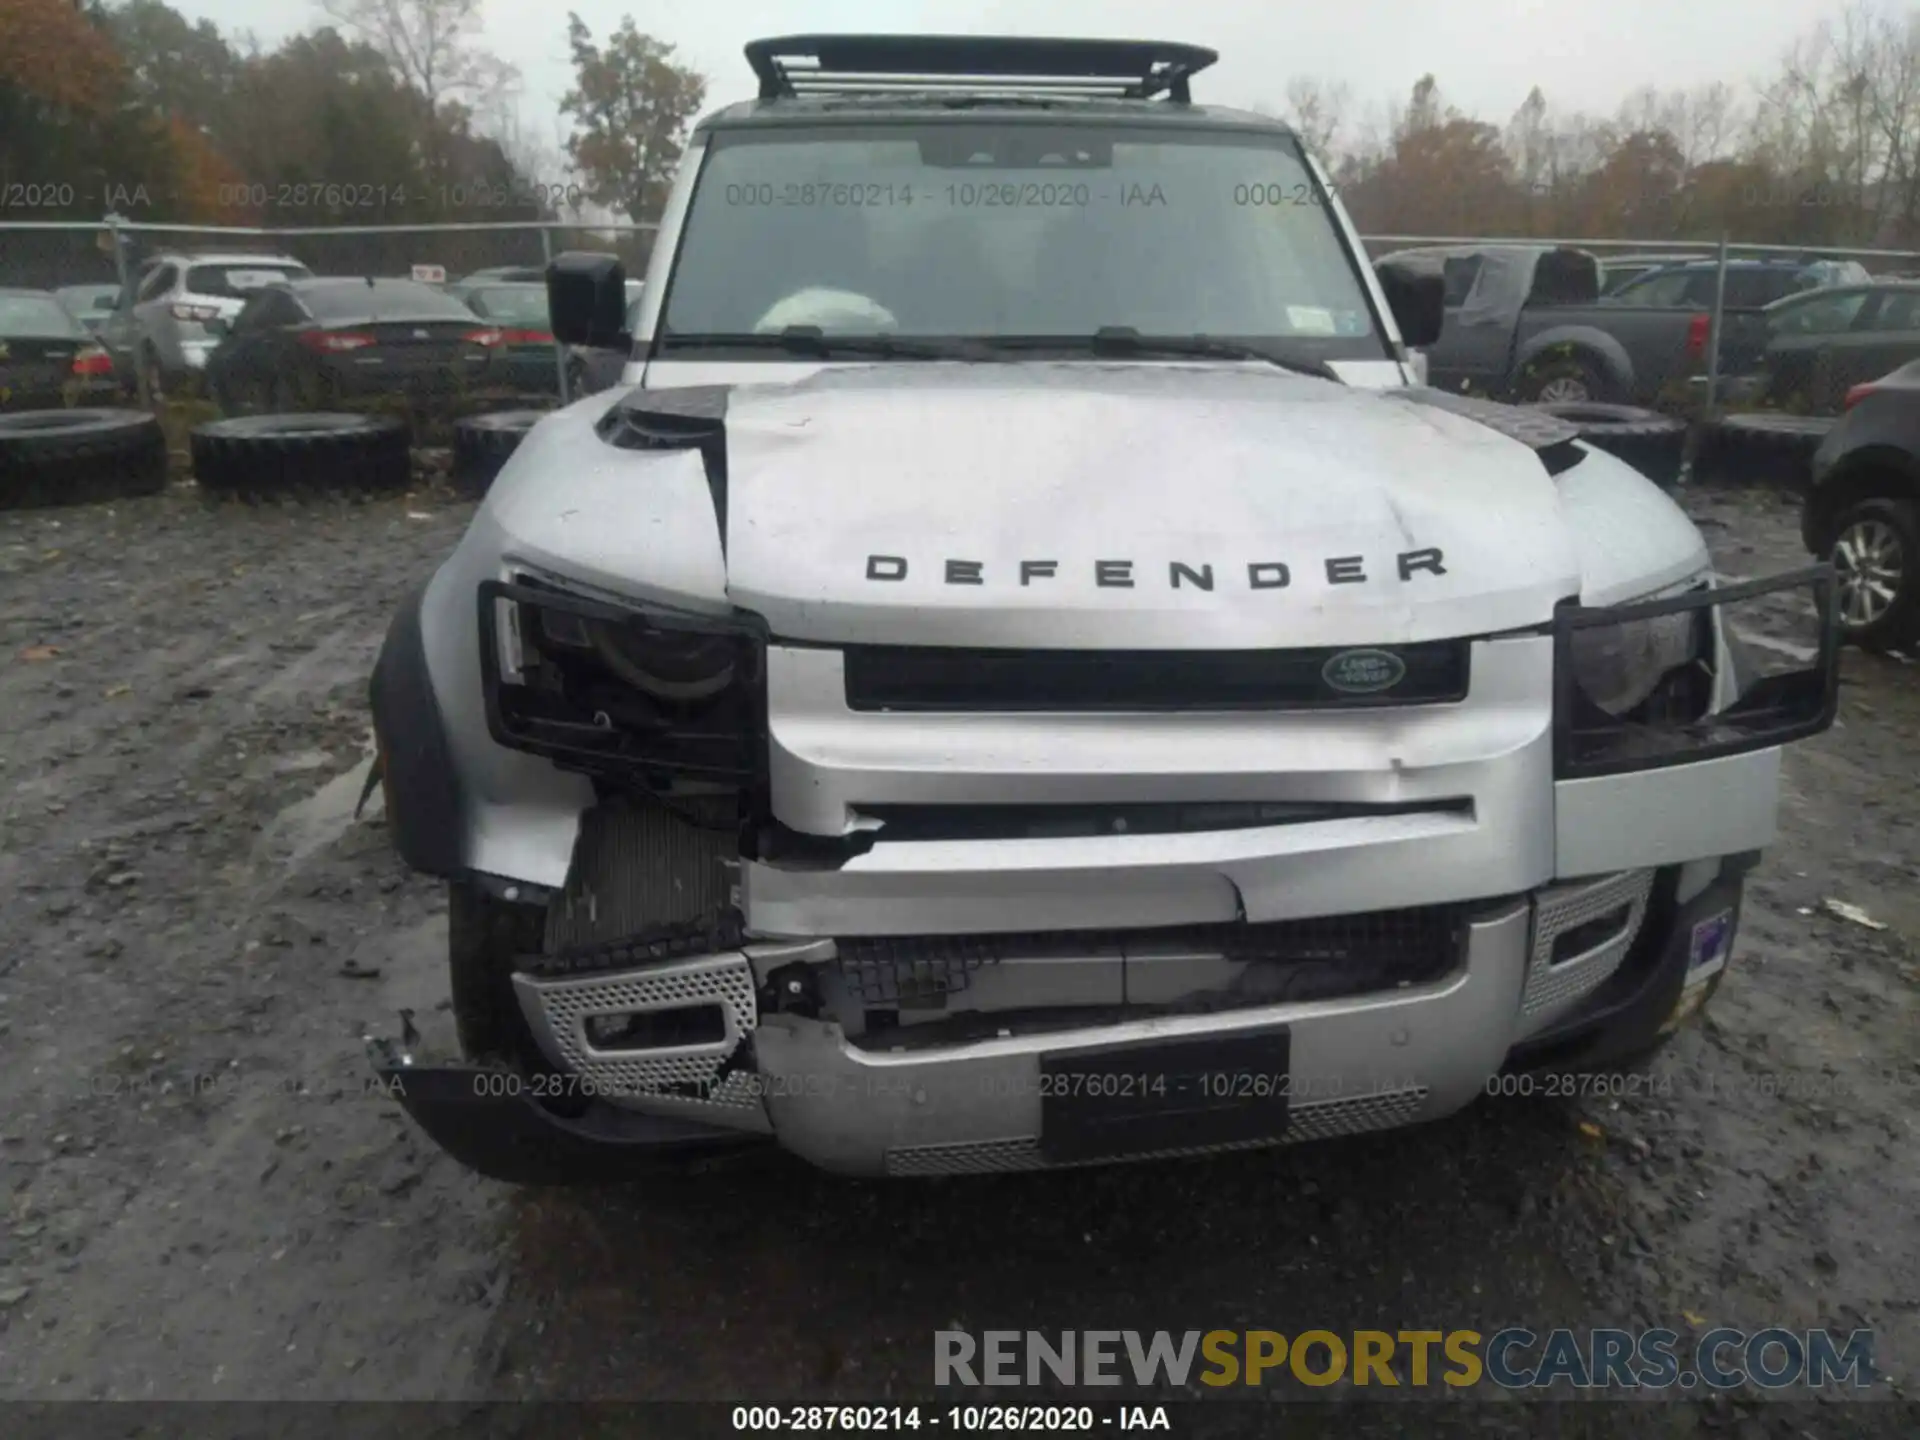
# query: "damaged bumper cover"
{"points": [[1579, 860], [1535, 979], [499, 1125]]}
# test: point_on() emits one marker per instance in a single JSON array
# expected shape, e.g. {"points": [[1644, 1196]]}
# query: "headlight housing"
{"points": [[1619, 668], [637, 692], [1636, 684]]}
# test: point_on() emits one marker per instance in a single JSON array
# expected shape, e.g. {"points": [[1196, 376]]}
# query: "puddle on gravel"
{"points": [[308, 826], [414, 979], [305, 760], [1805, 654]]}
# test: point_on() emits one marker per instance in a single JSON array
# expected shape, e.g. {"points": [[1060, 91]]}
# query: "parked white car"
{"points": [[162, 325]]}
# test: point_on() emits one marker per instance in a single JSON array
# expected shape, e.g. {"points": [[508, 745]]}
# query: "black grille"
{"points": [[883, 677], [1325, 957], [1055, 821]]}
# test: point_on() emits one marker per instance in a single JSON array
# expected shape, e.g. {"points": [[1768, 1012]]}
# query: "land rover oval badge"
{"points": [[1363, 672]]}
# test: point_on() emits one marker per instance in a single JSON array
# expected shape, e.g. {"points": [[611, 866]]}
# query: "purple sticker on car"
{"points": [[1709, 941]]}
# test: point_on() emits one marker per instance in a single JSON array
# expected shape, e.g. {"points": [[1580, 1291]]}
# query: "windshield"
{"points": [[237, 281], [88, 297], [389, 300], [35, 315], [516, 304], [986, 231]]}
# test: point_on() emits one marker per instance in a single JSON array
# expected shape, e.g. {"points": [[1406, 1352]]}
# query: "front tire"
{"points": [[486, 940], [1876, 554]]}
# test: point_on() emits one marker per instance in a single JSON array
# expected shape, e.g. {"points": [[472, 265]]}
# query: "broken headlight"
{"points": [[1639, 687], [622, 689], [1619, 667]]}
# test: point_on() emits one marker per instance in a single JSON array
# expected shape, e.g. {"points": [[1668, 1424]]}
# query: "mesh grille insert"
{"points": [[1331, 955]]}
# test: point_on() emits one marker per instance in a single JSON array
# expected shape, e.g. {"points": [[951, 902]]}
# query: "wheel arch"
{"points": [[1869, 472], [1581, 343]]}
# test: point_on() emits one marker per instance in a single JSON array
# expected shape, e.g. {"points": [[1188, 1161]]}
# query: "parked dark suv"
{"points": [[1750, 283], [1863, 509]]}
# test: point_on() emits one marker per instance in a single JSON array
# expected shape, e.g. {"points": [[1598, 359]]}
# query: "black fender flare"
{"points": [[425, 813]]}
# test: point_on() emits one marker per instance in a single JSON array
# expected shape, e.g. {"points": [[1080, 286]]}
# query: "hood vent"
{"points": [[693, 417], [1548, 436]]}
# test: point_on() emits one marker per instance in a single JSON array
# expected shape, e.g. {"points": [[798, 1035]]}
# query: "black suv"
{"points": [[1864, 510], [1750, 283]]}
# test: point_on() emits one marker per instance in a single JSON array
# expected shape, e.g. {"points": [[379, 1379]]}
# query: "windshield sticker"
{"points": [[252, 279], [1310, 320]]}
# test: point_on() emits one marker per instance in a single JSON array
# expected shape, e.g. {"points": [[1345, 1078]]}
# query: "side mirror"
{"points": [[587, 300], [1417, 299]]}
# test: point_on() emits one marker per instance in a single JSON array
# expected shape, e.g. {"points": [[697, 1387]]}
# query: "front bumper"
{"points": [[1356, 1064], [1555, 878]]}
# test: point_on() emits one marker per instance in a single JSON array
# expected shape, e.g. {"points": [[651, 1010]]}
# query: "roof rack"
{"points": [[793, 65]]}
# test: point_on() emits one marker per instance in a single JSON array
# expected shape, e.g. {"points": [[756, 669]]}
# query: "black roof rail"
{"points": [[792, 65]]}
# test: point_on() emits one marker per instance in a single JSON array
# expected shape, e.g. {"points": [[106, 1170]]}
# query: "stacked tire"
{"points": [[1764, 447], [266, 458], [482, 445], [79, 457], [1650, 442]]}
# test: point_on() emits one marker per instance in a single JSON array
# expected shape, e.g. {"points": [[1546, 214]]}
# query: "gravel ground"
{"points": [[203, 1200]]}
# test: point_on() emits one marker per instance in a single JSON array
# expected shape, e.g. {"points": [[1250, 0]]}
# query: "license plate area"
{"points": [[1139, 1096]]}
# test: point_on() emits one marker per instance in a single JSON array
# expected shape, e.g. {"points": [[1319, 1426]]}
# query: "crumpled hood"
{"points": [[1139, 507]]}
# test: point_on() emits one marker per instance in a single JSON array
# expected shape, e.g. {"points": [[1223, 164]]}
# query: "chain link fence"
{"points": [[1711, 351], [160, 300]]}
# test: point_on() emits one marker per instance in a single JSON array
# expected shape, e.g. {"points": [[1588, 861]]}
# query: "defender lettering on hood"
{"points": [[1119, 574]]}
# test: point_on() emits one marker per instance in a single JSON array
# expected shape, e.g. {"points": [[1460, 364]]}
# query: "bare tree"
{"points": [[1891, 71], [1317, 113], [1529, 141], [1423, 110], [1840, 118], [434, 45], [543, 160], [1710, 119]]}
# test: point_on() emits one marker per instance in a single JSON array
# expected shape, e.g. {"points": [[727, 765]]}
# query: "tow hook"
{"points": [[791, 990]]}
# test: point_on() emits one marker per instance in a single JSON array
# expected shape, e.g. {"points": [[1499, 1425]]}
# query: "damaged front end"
{"points": [[509, 1126], [927, 909]]}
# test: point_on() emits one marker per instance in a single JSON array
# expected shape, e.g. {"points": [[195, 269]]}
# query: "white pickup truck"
{"points": [[1018, 674]]}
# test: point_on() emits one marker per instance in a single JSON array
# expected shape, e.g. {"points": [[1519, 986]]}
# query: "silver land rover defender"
{"points": [[1020, 674]]}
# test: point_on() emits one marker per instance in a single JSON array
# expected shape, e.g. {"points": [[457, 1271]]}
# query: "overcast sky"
{"points": [[1485, 53]]}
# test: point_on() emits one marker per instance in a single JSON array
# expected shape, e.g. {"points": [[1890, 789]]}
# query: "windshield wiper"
{"points": [[1117, 340], [1125, 340], [813, 342]]}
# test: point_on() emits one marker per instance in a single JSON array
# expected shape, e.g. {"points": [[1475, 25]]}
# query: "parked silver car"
{"points": [[161, 324]]}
